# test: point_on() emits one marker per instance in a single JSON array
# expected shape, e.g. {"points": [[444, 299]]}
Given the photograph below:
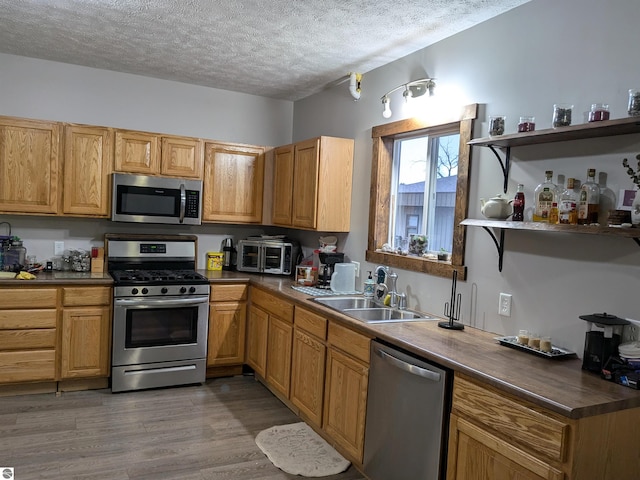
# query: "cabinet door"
{"points": [[137, 152], [345, 402], [182, 157], [282, 186], [474, 454], [257, 328], [279, 355], [29, 165], [233, 183], [307, 375], [88, 161], [85, 342], [226, 333], [305, 183]]}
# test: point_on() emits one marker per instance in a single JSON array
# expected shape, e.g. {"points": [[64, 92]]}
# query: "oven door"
{"points": [[152, 330]]}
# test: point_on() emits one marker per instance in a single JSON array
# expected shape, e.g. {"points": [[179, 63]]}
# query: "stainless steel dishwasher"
{"points": [[407, 405]]}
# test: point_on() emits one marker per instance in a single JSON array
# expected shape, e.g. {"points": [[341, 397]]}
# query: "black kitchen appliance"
{"points": [[601, 345], [326, 267], [229, 251]]}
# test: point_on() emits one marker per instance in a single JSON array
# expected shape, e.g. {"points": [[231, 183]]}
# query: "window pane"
{"points": [[424, 191]]}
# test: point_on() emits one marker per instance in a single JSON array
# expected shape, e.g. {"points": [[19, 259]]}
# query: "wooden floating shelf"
{"points": [[605, 128]]}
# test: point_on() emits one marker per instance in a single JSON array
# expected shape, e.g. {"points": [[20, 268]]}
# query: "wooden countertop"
{"points": [[559, 385]]}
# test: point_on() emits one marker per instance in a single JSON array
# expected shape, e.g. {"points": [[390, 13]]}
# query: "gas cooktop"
{"points": [[157, 277]]}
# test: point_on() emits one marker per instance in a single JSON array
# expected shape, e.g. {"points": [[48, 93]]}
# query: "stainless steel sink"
{"points": [[366, 310]]}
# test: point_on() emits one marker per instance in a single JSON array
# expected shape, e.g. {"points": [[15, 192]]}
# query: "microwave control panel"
{"points": [[193, 204]]}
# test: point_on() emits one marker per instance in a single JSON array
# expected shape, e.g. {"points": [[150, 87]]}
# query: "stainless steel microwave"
{"points": [[146, 199], [267, 256]]}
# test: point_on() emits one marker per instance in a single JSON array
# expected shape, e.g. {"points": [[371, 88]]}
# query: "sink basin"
{"points": [[347, 303], [366, 310]]}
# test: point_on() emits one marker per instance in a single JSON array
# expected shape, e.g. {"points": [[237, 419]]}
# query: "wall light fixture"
{"points": [[413, 89]]}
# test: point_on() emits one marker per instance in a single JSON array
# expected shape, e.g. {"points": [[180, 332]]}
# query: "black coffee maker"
{"points": [[601, 345], [327, 265]]}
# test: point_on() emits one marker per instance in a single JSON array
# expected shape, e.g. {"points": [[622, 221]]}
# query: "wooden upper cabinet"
{"points": [[233, 183], [282, 185], [153, 154], [29, 165], [137, 152], [182, 157], [317, 187], [88, 161]]}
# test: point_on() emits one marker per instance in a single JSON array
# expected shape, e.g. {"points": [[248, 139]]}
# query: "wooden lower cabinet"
{"points": [[85, 342], [345, 397], [308, 364], [257, 329], [279, 343], [86, 332], [493, 435], [227, 325], [28, 335]]}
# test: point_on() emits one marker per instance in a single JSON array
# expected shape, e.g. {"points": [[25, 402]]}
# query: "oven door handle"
{"points": [[160, 302], [183, 202]]}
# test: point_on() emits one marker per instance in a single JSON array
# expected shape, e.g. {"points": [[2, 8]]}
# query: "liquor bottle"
{"points": [[544, 195], [518, 205], [567, 210], [589, 200], [553, 213]]}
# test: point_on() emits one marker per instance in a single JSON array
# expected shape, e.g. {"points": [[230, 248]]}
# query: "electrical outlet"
{"points": [[631, 333], [504, 305], [357, 264], [58, 248]]}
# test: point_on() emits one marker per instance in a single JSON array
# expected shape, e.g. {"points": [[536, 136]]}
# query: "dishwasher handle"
{"points": [[409, 368]]}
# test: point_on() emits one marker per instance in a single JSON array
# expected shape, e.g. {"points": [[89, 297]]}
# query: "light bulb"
{"points": [[386, 113], [407, 94]]}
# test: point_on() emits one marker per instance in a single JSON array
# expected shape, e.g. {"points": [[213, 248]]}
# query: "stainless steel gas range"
{"points": [[160, 312]]}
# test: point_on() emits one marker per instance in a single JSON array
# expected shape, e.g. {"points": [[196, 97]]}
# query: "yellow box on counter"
{"points": [[215, 260]]}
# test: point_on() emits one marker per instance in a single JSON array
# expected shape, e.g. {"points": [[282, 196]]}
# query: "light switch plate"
{"points": [[504, 305]]}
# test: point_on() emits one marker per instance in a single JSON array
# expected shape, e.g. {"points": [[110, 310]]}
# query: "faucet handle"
{"points": [[402, 301]]}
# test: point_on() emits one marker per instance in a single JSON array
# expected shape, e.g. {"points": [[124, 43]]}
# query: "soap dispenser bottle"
{"points": [[369, 286]]}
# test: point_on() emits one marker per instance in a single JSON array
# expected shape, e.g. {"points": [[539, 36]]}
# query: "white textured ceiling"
{"points": [[286, 49]]}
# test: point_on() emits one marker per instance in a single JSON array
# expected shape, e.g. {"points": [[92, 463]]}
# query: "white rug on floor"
{"points": [[298, 450]]}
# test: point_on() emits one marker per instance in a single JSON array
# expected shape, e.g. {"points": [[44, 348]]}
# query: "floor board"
{"points": [[203, 432]]}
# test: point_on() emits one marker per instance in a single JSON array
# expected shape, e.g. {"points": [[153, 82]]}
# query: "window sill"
{"points": [[417, 264]]}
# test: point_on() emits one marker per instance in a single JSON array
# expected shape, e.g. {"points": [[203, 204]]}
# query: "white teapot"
{"points": [[496, 207]]}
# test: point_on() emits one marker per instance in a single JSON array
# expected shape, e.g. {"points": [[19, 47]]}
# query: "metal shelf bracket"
{"points": [[499, 244], [504, 165]]}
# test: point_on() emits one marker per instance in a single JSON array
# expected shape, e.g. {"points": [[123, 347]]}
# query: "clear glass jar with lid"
{"points": [[14, 255], [562, 115], [599, 112], [634, 102]]}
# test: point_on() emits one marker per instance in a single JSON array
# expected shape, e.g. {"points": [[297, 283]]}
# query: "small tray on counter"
{"points": [[556, 352]]}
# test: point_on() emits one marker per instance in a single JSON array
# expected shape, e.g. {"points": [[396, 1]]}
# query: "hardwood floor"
{"points": [[188, 433]]}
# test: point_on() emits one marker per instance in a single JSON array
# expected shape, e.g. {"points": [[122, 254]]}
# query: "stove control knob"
{"points": [[145, 291], [192, 289], [134, 291], [164, 290], [183, 289]]}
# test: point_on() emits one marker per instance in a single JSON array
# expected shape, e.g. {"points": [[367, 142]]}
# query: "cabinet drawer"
{"points": [[272, 304], [511, 418], [27, 339], [22, 319], [80, 296], [228, 293], [353, 343], [27, 366], [311, 322], [28, 297]]}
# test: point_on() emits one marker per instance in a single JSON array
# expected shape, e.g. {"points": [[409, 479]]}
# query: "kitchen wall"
{"points": [[520, 63], [47, 90]]}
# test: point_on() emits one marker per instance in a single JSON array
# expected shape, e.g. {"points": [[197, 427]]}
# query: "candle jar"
{"points": [[561, 115], [545, 344], [599, 112], [634, 102], [496, 125], [527, 124], [523, 337], [534, 341]]}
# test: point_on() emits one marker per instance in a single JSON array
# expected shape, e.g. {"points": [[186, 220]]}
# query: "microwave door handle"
{"points": [[183, 202]]}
